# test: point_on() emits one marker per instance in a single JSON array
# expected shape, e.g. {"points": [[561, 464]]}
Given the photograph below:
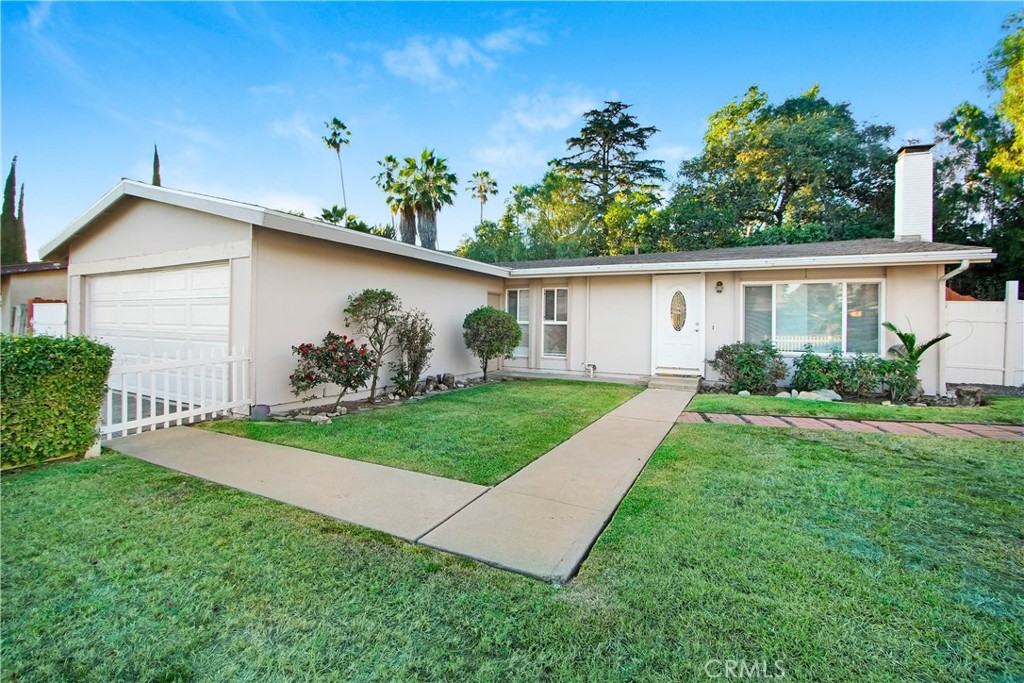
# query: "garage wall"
{"points": [[301, 286], [139, 235]]}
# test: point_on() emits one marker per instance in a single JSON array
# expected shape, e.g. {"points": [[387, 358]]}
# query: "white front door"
{"points": [[678, 322]]}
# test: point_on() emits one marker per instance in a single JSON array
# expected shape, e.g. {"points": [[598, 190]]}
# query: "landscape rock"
{"points": [[430, 384], [829, 394], [920, 405], [320, 420], [783, 394], [343, 411], [460, 385], [794, 393], [448, 379], [886, 403], [743, 393], [969, 396], [442, 387], [303, 417], [811, 396]]}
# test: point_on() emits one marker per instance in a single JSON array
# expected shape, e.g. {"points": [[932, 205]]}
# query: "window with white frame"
{"points": [[517, 302], [843, 316], [556, 322]]}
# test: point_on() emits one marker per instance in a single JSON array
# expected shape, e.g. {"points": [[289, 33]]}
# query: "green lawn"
{"points": [[1004, 409], [480, 435], [847, 557]]}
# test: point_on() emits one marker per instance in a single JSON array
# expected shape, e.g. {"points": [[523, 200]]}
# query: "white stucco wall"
{"points": [[300, 288]]}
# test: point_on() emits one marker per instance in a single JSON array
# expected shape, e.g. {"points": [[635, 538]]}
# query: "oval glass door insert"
{"points": [[678, 311]]}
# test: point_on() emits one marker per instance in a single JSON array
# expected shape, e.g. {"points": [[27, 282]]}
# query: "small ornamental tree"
{"points": [[414, 336], [337, 360], [374, 313], [490, 333]]}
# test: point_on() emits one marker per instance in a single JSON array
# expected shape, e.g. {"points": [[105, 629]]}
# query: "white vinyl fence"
{"points": [[987, 346], [173, 391]]}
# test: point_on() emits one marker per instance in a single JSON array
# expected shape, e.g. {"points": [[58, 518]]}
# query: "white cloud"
{"points": [[430, 62], [340, 60], [39, 15], [512, 39], [513, 140], [435, 62], [296, 127]]}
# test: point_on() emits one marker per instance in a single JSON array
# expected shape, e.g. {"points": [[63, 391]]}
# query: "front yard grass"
{"points": [[480, 435], [1003, 410], [845, 557]]}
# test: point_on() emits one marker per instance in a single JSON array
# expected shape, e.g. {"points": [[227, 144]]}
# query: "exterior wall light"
{"points": [[718, 286]]}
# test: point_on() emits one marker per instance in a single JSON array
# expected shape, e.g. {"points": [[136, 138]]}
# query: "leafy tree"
{"points": [[481, 186], [805, 160], [337, 135], [632, 224], [12, 221], [433, 187], [979, 194], [338, 361], [605, 156], [156, 167], [494, 242], [414, 336], [1005, 73], [490, 333], [374, 313]]}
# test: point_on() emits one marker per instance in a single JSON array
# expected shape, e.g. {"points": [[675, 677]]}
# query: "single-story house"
{"points": [[153, 270], [32, 298]]}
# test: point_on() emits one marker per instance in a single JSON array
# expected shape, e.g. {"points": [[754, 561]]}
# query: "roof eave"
{"points": [[847, 261]]}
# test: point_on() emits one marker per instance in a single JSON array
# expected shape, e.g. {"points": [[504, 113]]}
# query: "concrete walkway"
{"points": [[541, 521], [968, 431], [401, 503]]}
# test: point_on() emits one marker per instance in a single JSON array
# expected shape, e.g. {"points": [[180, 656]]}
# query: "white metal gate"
{"points": [[173, 391]]}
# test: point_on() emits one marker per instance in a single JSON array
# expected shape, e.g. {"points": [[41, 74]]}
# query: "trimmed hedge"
{"points": [[51, 389]]}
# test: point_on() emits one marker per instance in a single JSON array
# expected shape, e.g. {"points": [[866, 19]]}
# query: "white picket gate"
{"points": [[173, 391]]}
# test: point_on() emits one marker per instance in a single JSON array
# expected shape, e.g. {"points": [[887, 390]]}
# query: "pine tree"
{"points": [[12, 229], [156, 167]]}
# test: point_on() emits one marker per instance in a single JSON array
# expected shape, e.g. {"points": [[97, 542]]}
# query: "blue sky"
{"points": [[235, 95]]}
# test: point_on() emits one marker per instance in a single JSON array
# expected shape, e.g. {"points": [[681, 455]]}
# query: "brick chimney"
{"points": [[914, 193]]}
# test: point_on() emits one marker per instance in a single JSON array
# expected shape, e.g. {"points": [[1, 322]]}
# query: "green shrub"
{"points": [[866, 374], [414, 336], [491, 333], [750, 367], [51, 390]]}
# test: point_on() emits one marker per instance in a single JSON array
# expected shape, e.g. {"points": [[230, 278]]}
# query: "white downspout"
{"points": [[964, 265]]}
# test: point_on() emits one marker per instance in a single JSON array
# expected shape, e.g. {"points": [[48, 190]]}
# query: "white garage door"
{"points": [[146, 314]]}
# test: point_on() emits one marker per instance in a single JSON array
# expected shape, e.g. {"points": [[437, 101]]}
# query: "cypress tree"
{"points": [[156, 167], [12, 229]]}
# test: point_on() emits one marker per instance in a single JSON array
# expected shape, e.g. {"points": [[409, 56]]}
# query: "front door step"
{"points": [[674, 383]]}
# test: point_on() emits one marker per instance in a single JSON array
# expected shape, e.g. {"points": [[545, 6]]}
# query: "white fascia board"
{"points": [[913, 258], [309, 227]]}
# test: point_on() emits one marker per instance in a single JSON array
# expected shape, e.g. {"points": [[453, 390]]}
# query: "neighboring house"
{"points": [[153, 271], [33, 298]]}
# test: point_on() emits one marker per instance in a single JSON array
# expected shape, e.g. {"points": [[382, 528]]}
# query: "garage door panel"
{"points": [[148, 314]]}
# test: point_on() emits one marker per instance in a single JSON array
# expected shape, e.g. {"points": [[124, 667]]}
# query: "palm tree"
{"points": [[434, 188], [482, 185], [402, 201], [386, 180], [338, 135]]}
